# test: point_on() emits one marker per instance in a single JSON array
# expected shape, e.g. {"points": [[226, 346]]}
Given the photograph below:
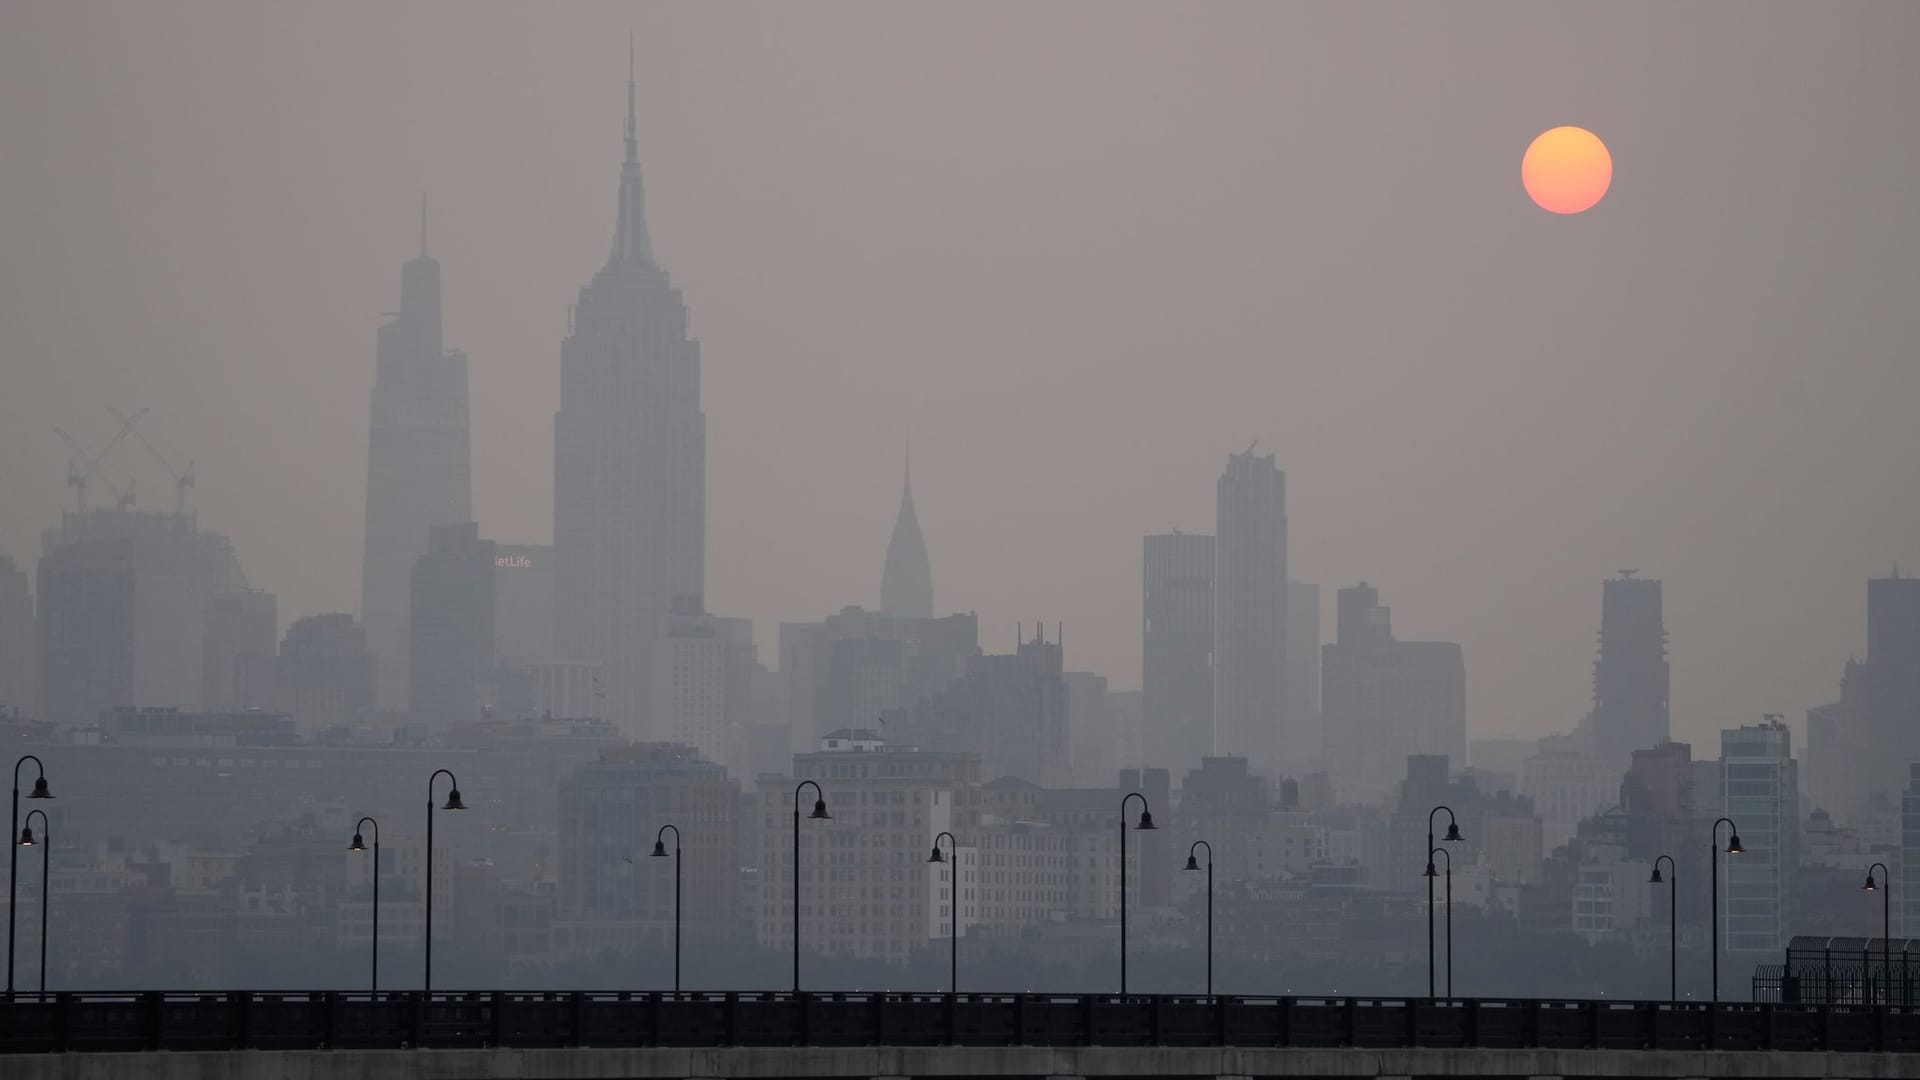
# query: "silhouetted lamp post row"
{"points": [[1453, 837], [13, 866]]}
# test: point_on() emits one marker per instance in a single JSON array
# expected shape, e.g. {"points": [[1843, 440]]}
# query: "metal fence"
{"points": [[32, 1023]]}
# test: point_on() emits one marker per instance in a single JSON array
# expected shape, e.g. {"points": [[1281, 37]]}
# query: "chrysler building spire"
{"points": [[906, 584]]}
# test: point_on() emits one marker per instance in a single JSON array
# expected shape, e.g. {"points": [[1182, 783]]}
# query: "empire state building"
{"points": [[630, 449]]}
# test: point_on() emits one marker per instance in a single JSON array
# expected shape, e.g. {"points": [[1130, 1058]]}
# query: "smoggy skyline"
{"points": [[1079, 252]]}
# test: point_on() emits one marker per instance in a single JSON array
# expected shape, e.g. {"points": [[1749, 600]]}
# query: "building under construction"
{"points": [[142, 608]]}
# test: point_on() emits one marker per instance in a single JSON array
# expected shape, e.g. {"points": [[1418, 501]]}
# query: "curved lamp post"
{"points": [[360, 845], [1886, 926], [819, 814], [1713, 891], [1194, 864], [1673, 923], [46, 881], [13, 852], [953, 909], [1430, 874], [660, 852], [453, 803], [1146, 822], [1453, 837]]}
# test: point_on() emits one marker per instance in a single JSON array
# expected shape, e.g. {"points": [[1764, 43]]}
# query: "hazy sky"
{"points": [[1081, 251]]}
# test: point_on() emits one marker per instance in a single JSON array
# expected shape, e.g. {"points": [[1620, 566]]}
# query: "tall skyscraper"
{"points": [[523, 585], [16, 638], [1176, 668], [1250, 616], [419, 462], [906, 584], [630, 446], [1386, 700], [1760, 791], [1630, 675], [1860, 746], [1303, 677], [452, 626]]}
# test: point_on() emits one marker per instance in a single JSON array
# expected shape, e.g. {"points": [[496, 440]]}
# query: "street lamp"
{"points": [[1673, 924], [660, 852], [13, 853], [1886, 926], [46, 882], [1146, 822], [360, 845], [453, 803], [1194, 864], [1713, 891], [819, 814], [953, 909], [1453, 837], [1430, 876]]}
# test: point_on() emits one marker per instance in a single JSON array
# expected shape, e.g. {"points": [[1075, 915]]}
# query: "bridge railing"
{"points": [[280, 1020]]}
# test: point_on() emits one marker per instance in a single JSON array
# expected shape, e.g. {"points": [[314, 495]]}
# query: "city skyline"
{"points": [[1529, 646]]}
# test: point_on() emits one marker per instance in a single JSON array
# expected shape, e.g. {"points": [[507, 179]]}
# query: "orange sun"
{"points": [[1567, 170]]}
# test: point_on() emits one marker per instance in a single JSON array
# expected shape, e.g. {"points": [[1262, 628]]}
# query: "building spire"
{"points": [[633, 142], [906, 582], [630, 242]]}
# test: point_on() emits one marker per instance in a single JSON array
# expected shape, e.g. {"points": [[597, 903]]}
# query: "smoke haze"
{"points": [[1079, 252]]}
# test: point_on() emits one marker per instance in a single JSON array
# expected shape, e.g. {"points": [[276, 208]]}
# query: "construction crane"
{"points": [[78, 477], [181, 480]]}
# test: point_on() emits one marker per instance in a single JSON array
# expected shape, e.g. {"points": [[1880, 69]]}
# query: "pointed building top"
{"points": [[633, 142], [630, 241], [906, 583]]}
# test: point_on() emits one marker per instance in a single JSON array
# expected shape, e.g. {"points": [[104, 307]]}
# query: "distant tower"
{"points": [[419, 463], [1176, 663], [1630, 675], [1250, 617], [630, 464], [906, 585]]}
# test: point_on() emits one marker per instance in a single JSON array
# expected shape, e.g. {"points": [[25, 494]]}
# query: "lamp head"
{"points": [[1870, 886], [1453, 833], [1430, 871], [659, 849], [820, 810], [40, 789], [936, 856], [358, 844], [26, 836], [1656, 879], [1146, 820], [1193, 863], [1733, 845], [453, 801]]}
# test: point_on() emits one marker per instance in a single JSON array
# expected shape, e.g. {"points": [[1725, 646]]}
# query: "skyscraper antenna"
{"points": [[633, 146], [423, 224]]}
